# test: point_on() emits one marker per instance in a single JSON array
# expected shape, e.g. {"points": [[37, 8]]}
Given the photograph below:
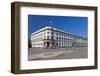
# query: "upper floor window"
{"points": [[47, 37], [67, 35], [48, 32], [62, 34], [57, 38], [56, 33], [52, 33]]}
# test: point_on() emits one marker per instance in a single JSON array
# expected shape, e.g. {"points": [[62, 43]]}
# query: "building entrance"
{"points": [[48, 44]]}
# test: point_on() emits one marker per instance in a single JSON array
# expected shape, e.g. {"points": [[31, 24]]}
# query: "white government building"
{"points": [[49, 37]]}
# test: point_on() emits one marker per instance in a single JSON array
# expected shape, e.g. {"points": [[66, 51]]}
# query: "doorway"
{"points": [[48, 44]]}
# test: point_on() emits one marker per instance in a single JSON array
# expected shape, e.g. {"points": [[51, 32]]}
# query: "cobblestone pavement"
{"points": [[61, 53]]}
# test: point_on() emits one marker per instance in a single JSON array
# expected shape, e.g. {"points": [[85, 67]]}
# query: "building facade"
{"points": [[49, 37]]}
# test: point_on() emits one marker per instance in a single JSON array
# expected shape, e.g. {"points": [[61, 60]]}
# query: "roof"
{"points": [[55, 29]]}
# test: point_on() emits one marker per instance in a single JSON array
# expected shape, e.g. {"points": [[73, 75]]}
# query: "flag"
{"points": [[50, 20]]}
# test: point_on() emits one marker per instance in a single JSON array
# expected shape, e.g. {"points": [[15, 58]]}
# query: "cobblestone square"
{"points": [[58, 53]]}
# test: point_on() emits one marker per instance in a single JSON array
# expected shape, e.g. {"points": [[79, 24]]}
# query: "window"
{"points": [[62, 39], [59, 44], [56, 33], [51, 37], [48, 32], [57, 38], [62, 44], [47, 37], [52, 33], [62, 34]]}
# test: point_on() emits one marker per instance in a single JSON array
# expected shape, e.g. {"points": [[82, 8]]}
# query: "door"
{"points": [[47, 44]]}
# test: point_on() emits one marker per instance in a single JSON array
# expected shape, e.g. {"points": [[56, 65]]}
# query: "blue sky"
{"points": [[72, 24]]}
